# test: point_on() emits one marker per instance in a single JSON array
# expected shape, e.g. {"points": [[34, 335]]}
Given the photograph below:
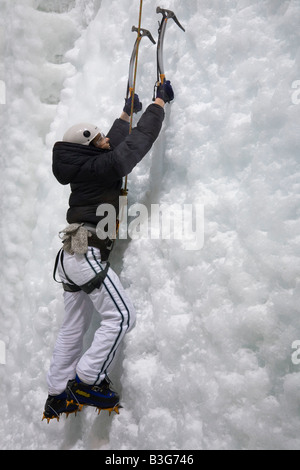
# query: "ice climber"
{"points": [[94, 165]]}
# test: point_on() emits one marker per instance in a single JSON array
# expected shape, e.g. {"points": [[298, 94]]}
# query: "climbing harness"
{"points": [[167, 14], [95, 283]]}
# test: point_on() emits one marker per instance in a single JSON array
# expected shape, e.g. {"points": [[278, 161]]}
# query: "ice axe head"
{"points": [[167, 14], [143, 32]]}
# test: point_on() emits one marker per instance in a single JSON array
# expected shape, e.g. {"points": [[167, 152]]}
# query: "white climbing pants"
{"points": [[117, 317]]}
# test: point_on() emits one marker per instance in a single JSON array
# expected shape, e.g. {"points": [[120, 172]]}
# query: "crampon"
{"points": [[57, 416], [55, 406], [97, 409], [74, 408], [77, 395]]}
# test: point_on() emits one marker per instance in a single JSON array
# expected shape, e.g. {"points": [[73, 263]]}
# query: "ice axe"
{"points": [[167, 14], [133, 72], [141, 33]]}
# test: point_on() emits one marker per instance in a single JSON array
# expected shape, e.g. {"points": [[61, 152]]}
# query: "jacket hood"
{"points": [[68, 159]]}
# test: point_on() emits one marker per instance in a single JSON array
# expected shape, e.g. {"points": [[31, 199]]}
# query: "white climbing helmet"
{"points": [[82, 133]]}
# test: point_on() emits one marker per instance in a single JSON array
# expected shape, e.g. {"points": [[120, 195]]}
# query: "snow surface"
{"points": [[209, 364]]}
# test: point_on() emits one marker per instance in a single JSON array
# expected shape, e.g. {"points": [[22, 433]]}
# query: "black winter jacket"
{"points": [[95, 175]]}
